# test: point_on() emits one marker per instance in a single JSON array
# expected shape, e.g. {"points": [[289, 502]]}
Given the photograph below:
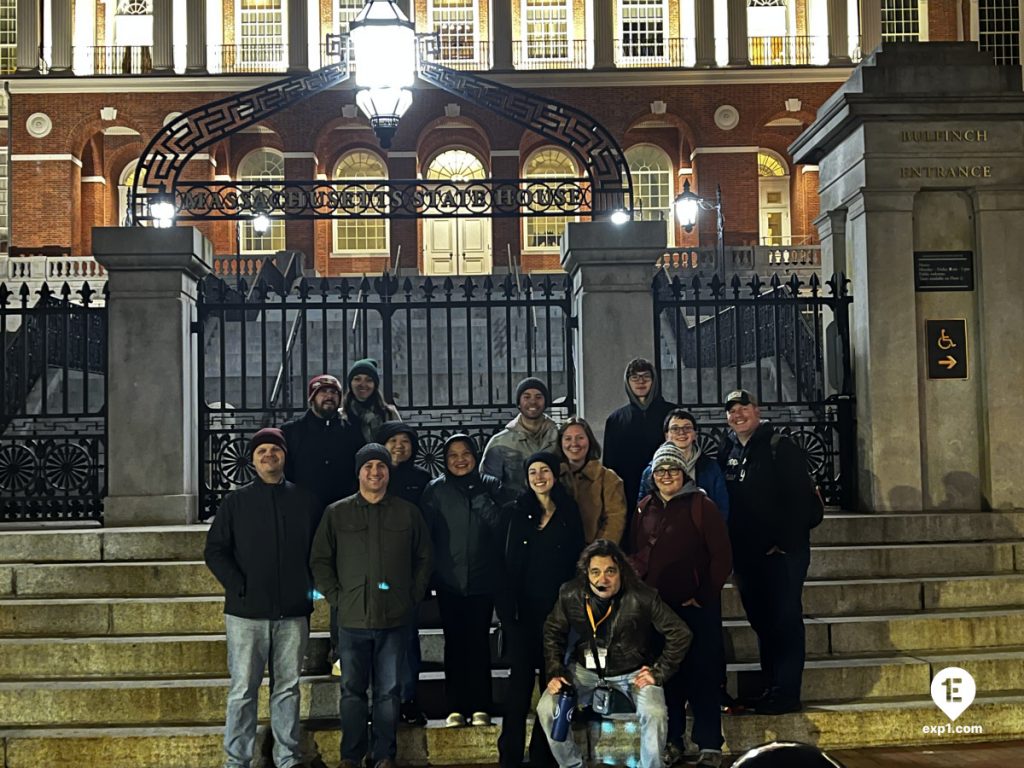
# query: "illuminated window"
{"points": [[901, 21], [456, 165], [642, 25], [4, 230], [545, 232], [363, 236], [767, 165], [8, 36], [262, 165], [773, 199], [546, 29], [455, 23], [999, 29], [261, 34], [344, 12], [652, 183]]}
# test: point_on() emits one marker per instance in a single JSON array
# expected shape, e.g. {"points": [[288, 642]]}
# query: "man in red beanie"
{"points": [[258, 548]]}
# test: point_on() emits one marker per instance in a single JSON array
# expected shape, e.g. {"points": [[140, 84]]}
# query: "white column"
{"points": [[195, 14], [704, 19], [838, 33], [739, 50], [501, 31], [604, 35], [870, 26], [27, 21], [298, 36], [163, 36], [60, 24]]}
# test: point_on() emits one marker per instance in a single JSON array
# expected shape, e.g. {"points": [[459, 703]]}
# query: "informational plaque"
{"points": [[943, 271]]}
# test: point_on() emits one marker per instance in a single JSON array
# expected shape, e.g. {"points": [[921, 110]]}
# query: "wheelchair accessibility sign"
{"points": [[947, 348]]}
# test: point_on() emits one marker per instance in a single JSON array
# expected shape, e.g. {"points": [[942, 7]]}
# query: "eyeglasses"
{"points": [[668, 472], [677, 430], [636, 378]]}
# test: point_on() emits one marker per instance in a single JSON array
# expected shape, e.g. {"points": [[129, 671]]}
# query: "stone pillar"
{"points": [[298, 36], [832, 233], [838, 34], [704, 21], [611, 268], [60, 26], [152, 456], [29, 36], [944, 177], [604, 36], [501, 31], [739, 47], [195, 57], [870, 26], [163, 37]]}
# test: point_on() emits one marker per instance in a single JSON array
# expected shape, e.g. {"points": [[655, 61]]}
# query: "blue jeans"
{"points": [[411, 661], [251, 644], [365, 653], [650, 710]]}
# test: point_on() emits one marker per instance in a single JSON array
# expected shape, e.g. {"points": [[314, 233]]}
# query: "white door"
{"points": [[457, 247], [774, 211]]}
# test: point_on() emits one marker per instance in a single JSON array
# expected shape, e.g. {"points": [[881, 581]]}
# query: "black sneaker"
{"points": [[411, 714]]}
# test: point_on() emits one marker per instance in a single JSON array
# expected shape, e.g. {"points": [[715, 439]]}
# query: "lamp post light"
{"points": [[384, 46], [163, 211], [688, 206]]}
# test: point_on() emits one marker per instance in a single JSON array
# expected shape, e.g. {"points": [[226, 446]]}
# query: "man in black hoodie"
{"points": [[407, 482], [633, 432], [258, 548]]}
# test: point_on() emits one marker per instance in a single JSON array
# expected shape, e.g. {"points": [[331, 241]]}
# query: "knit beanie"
{"points": [[366, 366], [668, 455], [271, 435], [545, 457], [533, 382], [371, 452], [389, 429], [323, 381]]}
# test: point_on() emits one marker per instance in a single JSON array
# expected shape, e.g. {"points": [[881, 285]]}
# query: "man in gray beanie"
{"points": [[371, 559], [531, 431]]}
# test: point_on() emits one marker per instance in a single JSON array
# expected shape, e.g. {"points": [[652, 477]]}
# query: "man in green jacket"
{"points": [[371, 559]]}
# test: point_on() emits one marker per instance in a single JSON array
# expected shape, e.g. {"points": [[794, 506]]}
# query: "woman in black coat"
{"points": [[545, 536], [467, 525]]}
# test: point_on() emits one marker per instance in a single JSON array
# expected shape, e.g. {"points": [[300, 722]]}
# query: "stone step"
{"points": [[932, 559], [960, 630], [835, 726], [186, 542]]}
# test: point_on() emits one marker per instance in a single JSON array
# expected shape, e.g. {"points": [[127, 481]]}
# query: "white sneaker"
{"points": [[455, 720], [710, 758], [481, 718], [336, 669]]}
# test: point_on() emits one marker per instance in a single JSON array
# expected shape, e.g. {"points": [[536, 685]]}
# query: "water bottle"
{"points": [[565, 705]]}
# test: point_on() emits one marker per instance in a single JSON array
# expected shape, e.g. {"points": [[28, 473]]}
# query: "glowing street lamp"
{"points": [[163, 211], [688, 206], [384, 43]]}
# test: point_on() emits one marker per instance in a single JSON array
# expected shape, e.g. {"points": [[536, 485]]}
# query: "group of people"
{"points": [[606, 575]]}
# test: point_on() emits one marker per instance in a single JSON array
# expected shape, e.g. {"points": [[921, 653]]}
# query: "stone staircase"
{"points": [[112, 653]]}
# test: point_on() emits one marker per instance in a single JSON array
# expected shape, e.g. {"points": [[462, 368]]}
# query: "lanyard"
{"points": [[590, 615]]}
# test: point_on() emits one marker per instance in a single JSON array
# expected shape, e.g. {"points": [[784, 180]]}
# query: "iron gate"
{"points": [[788, 342], [450, 355]]}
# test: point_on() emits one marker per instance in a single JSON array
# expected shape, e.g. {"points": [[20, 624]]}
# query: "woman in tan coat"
{"points": [[597, 490]]}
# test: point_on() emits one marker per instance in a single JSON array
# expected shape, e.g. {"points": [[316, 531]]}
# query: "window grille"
{"points": [[546, 29], [901, 21], [8, 36], [455, 23], [345, 11], [642, 28], [652, 182], [545, 233], [355, 235], [262, 165], [456, 165], [769, 166], [261, 33], [999, 29]]}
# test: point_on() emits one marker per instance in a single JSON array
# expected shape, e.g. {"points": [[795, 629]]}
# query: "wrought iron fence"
{"points": [[53, 403], [787, 342], [549, 53], [450, 356]]}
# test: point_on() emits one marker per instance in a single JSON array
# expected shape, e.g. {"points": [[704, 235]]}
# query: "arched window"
{"points": [[456, 165], [652, 184], [773, 199], [124, 188], [262, 165], [355, 235], [545, 233]]}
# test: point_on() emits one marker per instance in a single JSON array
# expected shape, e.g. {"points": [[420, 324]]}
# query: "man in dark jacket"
{"points": [[633, 432], [773, 505], [615, 617], [407, 482], [371, 559], [258, 548]]}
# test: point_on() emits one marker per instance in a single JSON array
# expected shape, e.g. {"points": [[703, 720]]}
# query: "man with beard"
{"points": [[531, 431], [322, 450]]}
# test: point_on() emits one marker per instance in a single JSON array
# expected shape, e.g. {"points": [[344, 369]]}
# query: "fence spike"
{"points": [[717, 286], [794, 284], [468, 289], [736, 284], [546, 287], [488, 286], [65, 291], [344, 289], [775, 282], [243, 288], [5, 294], [86, 293], [428, 289], [304, 289], [364, 286], [507, 286], [815, 284], [696, 285], [756, 286], [407, 288], [448, 287], [45, 293]]}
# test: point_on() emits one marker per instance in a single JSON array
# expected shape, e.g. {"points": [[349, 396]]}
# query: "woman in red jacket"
{"points": [[681, 548]]}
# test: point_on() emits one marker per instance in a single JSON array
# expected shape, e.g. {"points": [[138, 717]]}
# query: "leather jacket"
{"points": [[637, 614]]}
